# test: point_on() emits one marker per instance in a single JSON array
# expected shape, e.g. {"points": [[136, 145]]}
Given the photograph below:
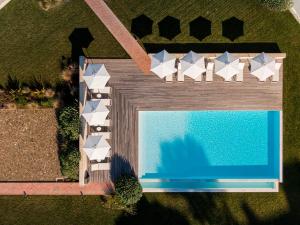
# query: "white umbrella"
{"points": [[163, 64], [95, 112], [192, 65], [96, 147], [262, 66], [96, 76], [226, 66]]}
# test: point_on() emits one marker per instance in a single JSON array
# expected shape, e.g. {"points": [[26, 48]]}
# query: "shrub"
{"points": [[49, 4], [277, 5], [128, 190], [69, 122], [47, 103], [70, 163]]}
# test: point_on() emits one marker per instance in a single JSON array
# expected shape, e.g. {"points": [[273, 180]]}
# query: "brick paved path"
{"points": [[121, 34], [53, 189]]}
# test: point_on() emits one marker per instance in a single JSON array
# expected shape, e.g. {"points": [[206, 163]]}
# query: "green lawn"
{"points": [[32, 43]]}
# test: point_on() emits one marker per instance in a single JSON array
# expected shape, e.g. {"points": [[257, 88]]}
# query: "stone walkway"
{"points": [[121, 34], [3, 3], [54, 189], [296, 10]]}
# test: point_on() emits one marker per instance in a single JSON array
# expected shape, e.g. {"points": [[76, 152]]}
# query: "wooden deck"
{"points": [[133, 91]]}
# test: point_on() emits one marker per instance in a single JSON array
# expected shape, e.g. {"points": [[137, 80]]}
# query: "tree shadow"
{"points": [[120, 166], [290, 187], [153, 213], [200, 28], [141, 26], [169, 27], [80, 38], [232, 28], [251, 47]]}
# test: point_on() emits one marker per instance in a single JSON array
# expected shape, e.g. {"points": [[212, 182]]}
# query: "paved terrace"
{"points": [[133, 91]]}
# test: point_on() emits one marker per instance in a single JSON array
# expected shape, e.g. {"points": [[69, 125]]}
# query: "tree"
{"points": [[69, 122], [128, 190], [277, 5]]}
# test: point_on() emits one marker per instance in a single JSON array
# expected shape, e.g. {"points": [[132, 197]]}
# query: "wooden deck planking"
{"points": [[133, 91]]}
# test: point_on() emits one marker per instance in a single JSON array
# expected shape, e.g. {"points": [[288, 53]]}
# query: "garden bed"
{"points": [[29, 150]]}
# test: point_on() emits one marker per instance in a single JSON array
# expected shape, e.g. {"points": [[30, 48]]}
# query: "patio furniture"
{"points": [[96, 76], [240, 75], [96, 147], [105, 135], [105, 90], [226, 66], [106, 102], [95, 112], [169, 78], [193, 65], [275, 77], [100, 166], [209, 72], [180, 75], [262, 66], [163, 65]]}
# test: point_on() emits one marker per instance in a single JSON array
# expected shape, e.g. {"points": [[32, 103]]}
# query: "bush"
{"points": [[128, 190], [70, 164], [69, 123], [277, 5]]}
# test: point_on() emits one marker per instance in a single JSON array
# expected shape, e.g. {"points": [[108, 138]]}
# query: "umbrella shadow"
{"points": [[232, 28], [141, 26], [80, 38], [169, 27], [200, 28]]}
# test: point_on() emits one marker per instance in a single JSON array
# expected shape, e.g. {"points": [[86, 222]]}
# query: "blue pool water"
{"points": [[209, 144]]}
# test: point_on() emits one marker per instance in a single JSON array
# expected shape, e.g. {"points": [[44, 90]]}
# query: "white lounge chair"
{"points": [[105, 90], [240, 75], [106, 135], [180, 75], [107, 123], [100, 166], [106, 102], [169, 78], [275, 77], [209, 71]]}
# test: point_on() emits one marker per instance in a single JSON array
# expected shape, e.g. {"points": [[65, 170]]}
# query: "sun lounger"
{"points": [[240, 75], [169, 78], [105, 90], [180, 75], [199, 78], [275, 77], [106, 135], [100, 166], [107, 123], [106, 102], [209, 72]]}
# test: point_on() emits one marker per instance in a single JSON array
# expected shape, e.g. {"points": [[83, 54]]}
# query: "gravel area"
{"points": [[28, 143]]}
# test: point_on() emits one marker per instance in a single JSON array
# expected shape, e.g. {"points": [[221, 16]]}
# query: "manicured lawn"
{"points": [[32, 43]]}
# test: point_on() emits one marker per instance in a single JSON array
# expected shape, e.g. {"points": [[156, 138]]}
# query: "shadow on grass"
{"points": [[153, 213], [269, 47], [120, 166], [232, 28], [169, 27]]}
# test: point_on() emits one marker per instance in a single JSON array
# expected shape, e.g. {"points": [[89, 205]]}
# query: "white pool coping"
{"points": [[275, 181]]}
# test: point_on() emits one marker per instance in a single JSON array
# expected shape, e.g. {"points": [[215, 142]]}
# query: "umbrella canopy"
{"points": [[232, 28], [96, 76], [192, 65], [169, 27], [262, 66], [200, 28], [96, 148], [95, 112], [226, 65], [141, 26], [163, 64]]}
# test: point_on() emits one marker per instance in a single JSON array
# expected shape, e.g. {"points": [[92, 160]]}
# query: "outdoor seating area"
{"points": [[230, 67], [95, 117]]}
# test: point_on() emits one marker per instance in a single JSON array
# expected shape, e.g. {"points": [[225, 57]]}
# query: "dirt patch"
{"points": [[28, 143]]}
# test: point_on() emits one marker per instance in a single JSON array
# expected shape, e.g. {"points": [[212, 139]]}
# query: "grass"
{"points": [[33, 42]]}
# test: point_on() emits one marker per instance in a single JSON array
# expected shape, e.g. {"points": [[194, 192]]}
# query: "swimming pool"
{"points": [[209, 145]]}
